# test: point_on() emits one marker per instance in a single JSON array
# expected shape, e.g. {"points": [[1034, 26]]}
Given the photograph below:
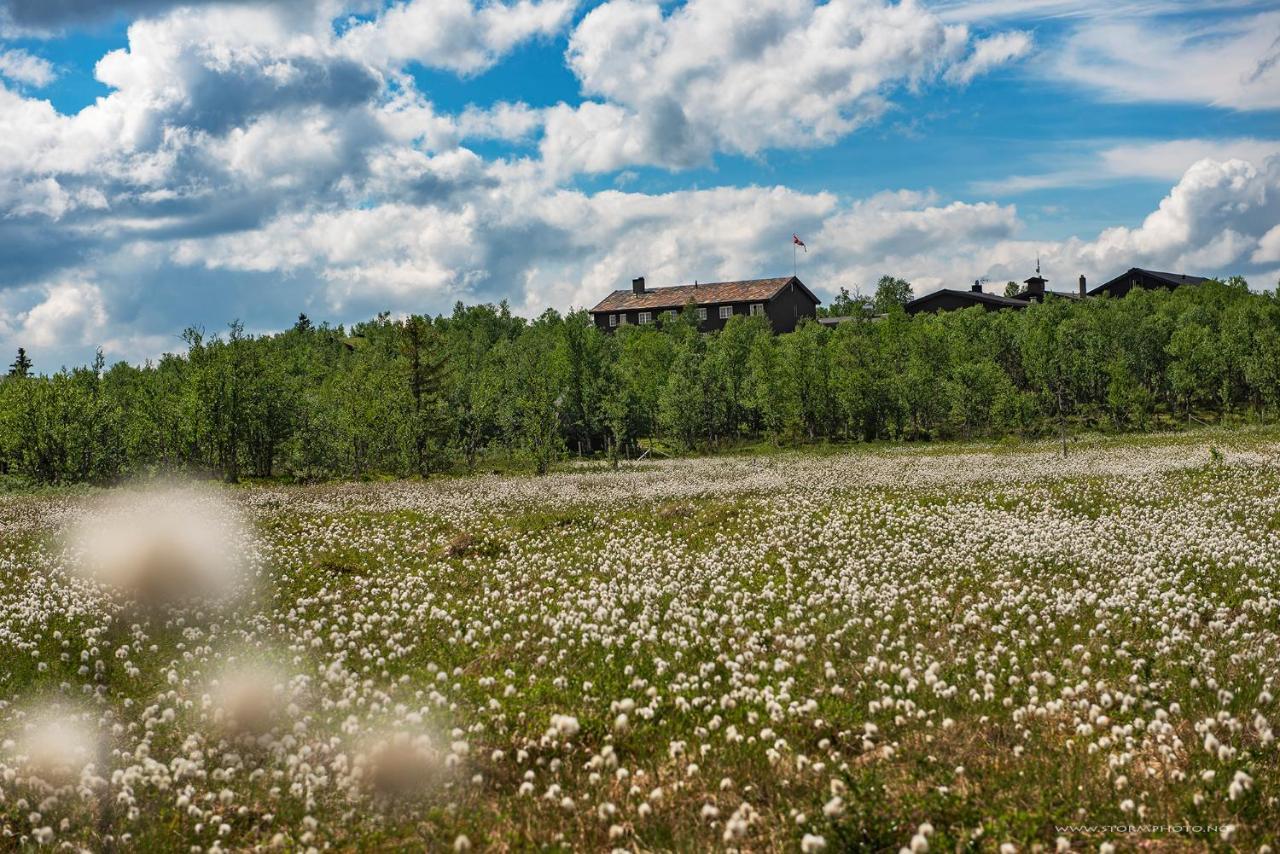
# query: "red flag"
{"points": [[795, 238]]}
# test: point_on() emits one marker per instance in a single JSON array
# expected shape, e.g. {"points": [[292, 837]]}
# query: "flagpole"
{"points": [[794, 269]]}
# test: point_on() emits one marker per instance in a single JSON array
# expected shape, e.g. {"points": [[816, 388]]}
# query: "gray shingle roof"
{"points": [[678, 296]]}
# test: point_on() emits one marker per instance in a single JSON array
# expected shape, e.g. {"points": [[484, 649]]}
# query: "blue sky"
{"points": [[167, 164]]}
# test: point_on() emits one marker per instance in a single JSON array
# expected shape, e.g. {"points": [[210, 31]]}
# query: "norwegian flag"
{"points": [[795, 238]]}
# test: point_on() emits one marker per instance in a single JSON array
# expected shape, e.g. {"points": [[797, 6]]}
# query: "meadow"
{"points": [[961, 647]]}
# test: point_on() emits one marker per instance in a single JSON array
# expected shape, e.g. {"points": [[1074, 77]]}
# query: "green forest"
{"points": [[482, 387]]}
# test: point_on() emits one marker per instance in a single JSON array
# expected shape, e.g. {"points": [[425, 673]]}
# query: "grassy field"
{"points": [[964, 647]]}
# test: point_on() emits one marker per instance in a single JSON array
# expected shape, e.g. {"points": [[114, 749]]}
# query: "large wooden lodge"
{"points": [[782, 301]]}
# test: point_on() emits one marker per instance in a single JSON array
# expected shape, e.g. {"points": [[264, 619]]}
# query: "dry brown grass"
{"points": [[460, 545]]}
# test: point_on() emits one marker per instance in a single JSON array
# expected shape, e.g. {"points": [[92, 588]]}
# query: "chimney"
{"points": [[1035, 287], [1082, 284], [977, 286], [637, 285]]}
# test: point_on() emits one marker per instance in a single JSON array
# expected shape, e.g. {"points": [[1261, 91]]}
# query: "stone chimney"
{"points": [[1082, 284], [977, 286], [637, 285]]}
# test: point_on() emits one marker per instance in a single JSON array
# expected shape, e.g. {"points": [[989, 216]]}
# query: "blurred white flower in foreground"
{"points": [[400, 764], [54, 748], [171, 546], [250, 697]]}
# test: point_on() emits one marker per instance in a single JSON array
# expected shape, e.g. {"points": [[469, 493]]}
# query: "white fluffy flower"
{"points": [[565, 726]]}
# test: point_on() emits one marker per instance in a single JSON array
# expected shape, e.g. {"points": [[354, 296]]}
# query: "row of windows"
{"points": [[646, 317]]}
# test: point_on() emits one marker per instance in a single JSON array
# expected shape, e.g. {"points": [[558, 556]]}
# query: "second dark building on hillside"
{"points": [[1149, 280], [947, 299]]}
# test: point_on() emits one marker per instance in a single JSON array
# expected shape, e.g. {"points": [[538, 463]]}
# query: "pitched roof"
{"points": [[1171, 279], [1174, 278], [678, 296], [972, 296]]}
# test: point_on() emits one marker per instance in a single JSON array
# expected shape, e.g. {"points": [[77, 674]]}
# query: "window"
{"points": [[702, 314], [646, 317], [613, 320], [726, 311], [671, 314], [622, 319], [757, 308]]}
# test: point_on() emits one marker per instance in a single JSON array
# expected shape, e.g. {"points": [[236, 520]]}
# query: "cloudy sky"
{"points": [[166, 164]]}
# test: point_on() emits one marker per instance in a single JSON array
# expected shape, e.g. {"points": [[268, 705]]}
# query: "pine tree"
{"points": [[21, 366], [427, 366]]}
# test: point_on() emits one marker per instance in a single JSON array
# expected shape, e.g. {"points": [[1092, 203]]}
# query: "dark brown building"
{"points": [[947, 299], [1149, 280], [782, 301]]}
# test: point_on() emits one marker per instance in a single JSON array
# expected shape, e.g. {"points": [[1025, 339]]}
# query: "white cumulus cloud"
{"points": [[66, 314], [677, 84], [22, 67], [459, 35], [1215, 215]]}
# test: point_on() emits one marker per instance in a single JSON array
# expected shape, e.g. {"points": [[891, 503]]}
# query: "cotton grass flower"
{"points": [[564, 726]]}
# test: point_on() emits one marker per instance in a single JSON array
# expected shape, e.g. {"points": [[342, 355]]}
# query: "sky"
{"points": [[173, 164]]}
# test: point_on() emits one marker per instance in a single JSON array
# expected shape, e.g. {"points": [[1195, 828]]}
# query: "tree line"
{"points": [[417, 395]]}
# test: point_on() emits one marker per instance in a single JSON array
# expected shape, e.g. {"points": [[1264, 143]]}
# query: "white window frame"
{"points": [[613, 320], [645, 317], [702, 314], [726, 312], [672, 314], [757, 308]]}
